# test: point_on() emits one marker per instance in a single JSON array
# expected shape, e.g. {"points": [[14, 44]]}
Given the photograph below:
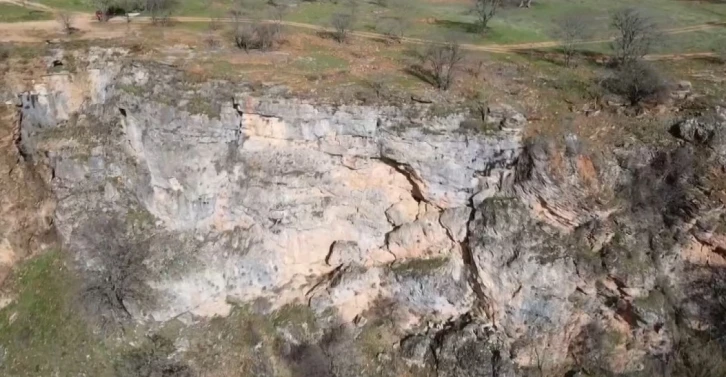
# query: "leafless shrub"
{"points": [[210, 37], [279, 11], [65, 19], [116, 286], [439, 63], [378, 86], [572, 29], [161, 10], [485, 10], [475, 69], [244, 37], [342, 23], [392, 27], [267, 34], [261, 36], [236, 15], [636, 35], [637, 82], [4, 53]]}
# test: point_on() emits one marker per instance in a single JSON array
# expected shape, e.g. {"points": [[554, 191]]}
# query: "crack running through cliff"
{"points": [[407, 172], [482, 300]]}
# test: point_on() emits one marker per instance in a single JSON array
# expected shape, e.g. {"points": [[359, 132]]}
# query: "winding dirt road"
{"points": [[30, 32]]}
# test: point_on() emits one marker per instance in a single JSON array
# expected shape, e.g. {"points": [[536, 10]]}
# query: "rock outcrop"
{"points": [[263, 197], [487, 253]]}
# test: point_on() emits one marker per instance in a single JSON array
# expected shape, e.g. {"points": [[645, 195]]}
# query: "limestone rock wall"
{"points": [[489, 253], [264, 197]]}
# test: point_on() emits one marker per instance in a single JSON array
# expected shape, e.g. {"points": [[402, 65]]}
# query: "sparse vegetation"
{"points": [[262, 36], [485, 10], [40, 332], [573, 28], [439, 64], [420, 266], [14, 13], [636, 34], [161, 10], [342, 23], [152, 359], [638, 82], [116, 286], [65, 20], [392, 27]]}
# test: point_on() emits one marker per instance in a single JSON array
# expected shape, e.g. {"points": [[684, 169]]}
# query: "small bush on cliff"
{"points": [[151, 360], [262, 36], [638, 82]]}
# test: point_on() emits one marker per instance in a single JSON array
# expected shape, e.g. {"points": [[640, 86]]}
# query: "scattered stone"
{"points": [[417, 350], [344, 252], [693, 130]]}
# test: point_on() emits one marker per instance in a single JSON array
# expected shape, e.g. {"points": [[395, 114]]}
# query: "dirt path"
{"points": [[31, 31], [29, 4]]}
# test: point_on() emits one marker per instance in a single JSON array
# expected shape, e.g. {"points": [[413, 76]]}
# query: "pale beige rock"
{"points": [[402, 212]]}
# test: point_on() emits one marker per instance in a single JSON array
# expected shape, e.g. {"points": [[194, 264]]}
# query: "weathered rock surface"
{"points": [[485, 253], [263, 196]]}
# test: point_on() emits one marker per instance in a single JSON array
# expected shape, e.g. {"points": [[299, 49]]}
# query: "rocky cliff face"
{"points": [[499, 257]]}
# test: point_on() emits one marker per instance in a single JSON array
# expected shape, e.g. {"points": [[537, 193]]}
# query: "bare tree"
{"points": [[266, 35], [277, 13], [572, 29], [65, 19], [392, 27], [636, 35], [485, 10], [342, 22], [441, 62], [259, 35], [117, 283], [244, 37], [161, 10], [211, 35]]}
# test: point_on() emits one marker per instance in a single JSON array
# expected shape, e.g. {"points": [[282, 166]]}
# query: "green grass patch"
{"points": [[132, 89], [510, 25], [14, 13], [320, 61], [200, 105], [75, 5], [294, 314], [41, 333], [417, 266]]}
